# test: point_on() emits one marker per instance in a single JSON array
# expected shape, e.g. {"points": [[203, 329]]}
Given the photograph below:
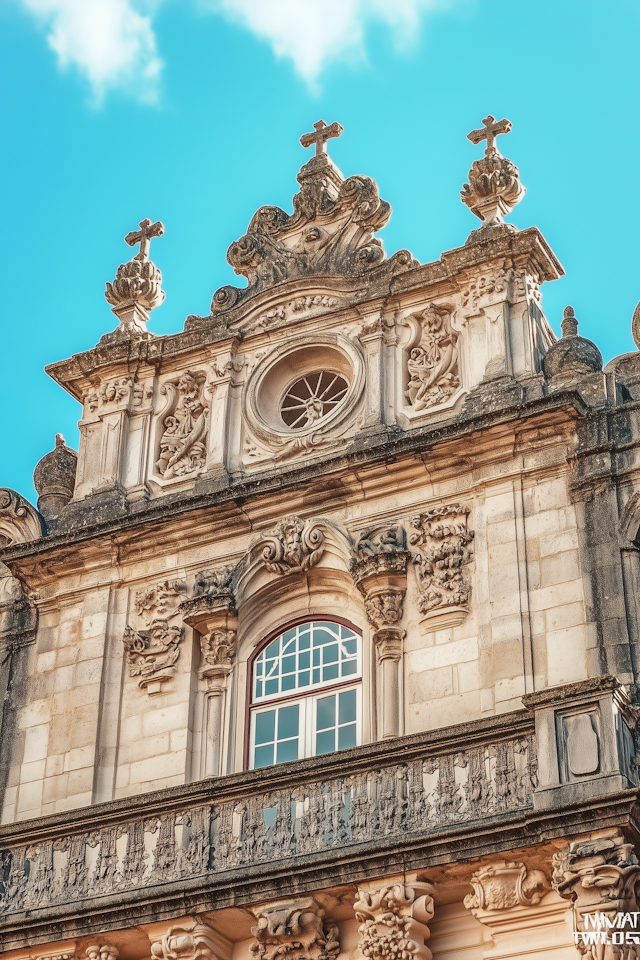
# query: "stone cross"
{"points": [[143, 237], [491, 128], [321, 135]]}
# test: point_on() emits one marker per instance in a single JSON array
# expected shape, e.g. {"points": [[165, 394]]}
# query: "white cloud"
{"points": [[108, 41], [113, 45], [311, 33]]}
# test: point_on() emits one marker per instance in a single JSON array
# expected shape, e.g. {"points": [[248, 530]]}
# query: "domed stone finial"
{"points": [[571, 356], [569, 325], [494, 186], [137, 288], [54, 478]]}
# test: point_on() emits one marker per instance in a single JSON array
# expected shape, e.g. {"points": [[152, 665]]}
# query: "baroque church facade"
{"points": [[325, 644]]}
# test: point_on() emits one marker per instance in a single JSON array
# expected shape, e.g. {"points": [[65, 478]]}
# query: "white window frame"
{"points": [[306, 699]]}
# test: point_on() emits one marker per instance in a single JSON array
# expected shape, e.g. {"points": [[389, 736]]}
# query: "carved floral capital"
{"points": [[189, 941], [394, 920], [294, 929], [444, 545], [502, 885]]}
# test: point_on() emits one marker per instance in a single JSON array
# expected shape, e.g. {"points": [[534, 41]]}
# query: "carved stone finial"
{"points": [[494, 186], [393, 920], [137, 288], [571, 356], [569, 323], [54, 478], [293, 929], [321, 135]]}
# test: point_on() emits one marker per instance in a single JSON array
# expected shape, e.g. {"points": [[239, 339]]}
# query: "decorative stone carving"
{"points": [[137, 288], [105, 952], [434, 373], [502, 885], [214, 583], [445, 543], [494, 186], [153, 652], [293, 547], [218, 649], [188, 941], [19, 521], [601, 876], [379, 550], [331, 231], [293, 929], [635, 325], [394, 920], [55, 477], [292, 310], [184, 427]]}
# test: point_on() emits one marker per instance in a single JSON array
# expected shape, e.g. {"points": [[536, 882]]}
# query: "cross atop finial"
{"points": [[491, 128], [143, 237], [321, 135]]}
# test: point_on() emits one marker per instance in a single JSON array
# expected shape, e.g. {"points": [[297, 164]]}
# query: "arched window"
{"points": [[306, 693]]}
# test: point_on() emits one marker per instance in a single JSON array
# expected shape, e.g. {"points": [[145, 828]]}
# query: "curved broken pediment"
{"points": [[19, 521], [331, 232]]}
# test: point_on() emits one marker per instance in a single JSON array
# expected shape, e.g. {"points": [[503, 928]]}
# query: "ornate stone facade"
{"points": [[326, 644]]}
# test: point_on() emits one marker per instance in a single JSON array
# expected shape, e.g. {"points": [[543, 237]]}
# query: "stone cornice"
{"points": [[232, 493]]}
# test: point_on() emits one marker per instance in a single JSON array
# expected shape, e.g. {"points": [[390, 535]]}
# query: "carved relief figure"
{"points": [[295, 545], [433, 367], [445, 543], [182, 443], [153, 652]]}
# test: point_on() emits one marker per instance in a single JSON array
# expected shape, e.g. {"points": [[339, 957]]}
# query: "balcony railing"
{"points": [[378, 795]]}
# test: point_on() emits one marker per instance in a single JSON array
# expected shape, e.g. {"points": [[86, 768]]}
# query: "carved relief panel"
{"points": [[431, 364], [444, 547], [152, 648], [182, 427]]}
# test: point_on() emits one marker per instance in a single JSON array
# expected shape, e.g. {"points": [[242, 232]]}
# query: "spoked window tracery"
{"points": [[311, 398]]}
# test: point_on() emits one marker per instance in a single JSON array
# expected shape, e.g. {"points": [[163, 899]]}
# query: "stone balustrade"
{"points": [[291, 813]]}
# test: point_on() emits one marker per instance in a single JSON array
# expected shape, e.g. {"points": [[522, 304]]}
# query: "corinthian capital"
{"points": [[295, 929]]}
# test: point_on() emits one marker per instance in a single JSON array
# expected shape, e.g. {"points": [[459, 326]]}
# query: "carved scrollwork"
{"points": [[294, 929], [19, 521], [295, 546], [502, 885], [182, 441], [434, 373], [445, 543], [153, 651], [186, 941], [394, 920]]}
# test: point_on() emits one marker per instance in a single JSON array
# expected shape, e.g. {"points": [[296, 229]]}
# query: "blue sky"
{"points": [[190, 111]]}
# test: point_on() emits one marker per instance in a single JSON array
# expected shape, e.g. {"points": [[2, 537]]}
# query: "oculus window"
{"points": [[306, 694]]}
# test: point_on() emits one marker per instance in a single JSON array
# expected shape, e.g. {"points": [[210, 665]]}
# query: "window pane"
{"points": [[303, 661], [288, 722], [304, 641], [326, 715], [287, 751], [289, 682], [263, 757], [303, 679], [273, 649], [321, 636], [325, 742], [347, 737], [265, 726], [350, 647], [331, 653], [316, 675], [330, 672], [349, 668], [271, 686], [258, 688], [347, 707], [289, 635], [288, 664]]}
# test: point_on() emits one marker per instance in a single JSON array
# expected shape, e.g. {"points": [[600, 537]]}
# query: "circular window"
{"points": [[311, 398], [305, 385]]}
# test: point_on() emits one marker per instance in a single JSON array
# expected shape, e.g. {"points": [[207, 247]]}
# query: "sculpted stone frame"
{"points": [[432, 375]]}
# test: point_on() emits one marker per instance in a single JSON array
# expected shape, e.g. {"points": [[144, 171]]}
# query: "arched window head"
{"points": [[306, 693]]}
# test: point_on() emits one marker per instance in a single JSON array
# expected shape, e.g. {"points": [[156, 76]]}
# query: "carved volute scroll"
{"points": [[19, 521], [444, 545], [394, 920], [153, 651], [330, 232], [602, 876], [503, 885], [186, 941], [433, 365], [293, 547], [293, 929], [183, 427]]}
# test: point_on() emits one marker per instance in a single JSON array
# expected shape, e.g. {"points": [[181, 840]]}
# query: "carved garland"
{"points": [[445, 545], [393, 921]]}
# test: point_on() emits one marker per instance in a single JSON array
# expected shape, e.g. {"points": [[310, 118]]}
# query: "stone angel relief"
{"points": [[434, 373], [182, 443]]}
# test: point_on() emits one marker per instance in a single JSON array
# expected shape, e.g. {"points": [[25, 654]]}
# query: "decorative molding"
{"points": [[186, 941], [433, 366], [153, 652], [394, 920], [184, 420], [444, 540], [292, 310], [293, 929], [19, 521], [293, 547], [505, 884]]}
